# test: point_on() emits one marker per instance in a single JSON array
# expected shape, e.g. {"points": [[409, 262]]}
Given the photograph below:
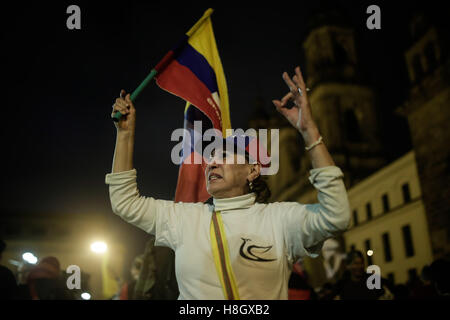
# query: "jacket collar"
{"points": [[241, 202]]}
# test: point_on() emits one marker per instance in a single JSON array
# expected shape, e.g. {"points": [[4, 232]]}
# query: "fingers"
{"points": [[294, 94], [122, 104], [129, 102], [298, 78], [289, 96], [278, 106], [292, 86]]}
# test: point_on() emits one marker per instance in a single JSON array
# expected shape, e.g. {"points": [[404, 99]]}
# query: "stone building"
{"points": [[428, 113]]}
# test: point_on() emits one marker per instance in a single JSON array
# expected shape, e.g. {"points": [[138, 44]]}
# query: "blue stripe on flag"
{"points": [[190, 58]]}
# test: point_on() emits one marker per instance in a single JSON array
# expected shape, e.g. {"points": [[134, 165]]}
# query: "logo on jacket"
{"points": [[250, 252]]}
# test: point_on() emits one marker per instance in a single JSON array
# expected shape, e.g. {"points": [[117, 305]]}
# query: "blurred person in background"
{"points": [[440, 277], [8, 284], [127, 291], [23, 271], [45, 281], [299, 289], [156, 279], [353, 284], [426, 290]]}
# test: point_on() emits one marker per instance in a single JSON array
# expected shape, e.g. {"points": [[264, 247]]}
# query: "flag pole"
{"points": [[116, 117]]}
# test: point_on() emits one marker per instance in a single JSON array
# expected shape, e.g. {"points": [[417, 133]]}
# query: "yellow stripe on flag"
{"points": [[201, 38]]}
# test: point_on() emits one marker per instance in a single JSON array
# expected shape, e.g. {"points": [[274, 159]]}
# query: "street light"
{"points": [[85, 296], [99, 247], [369, 253], [29, 257]]}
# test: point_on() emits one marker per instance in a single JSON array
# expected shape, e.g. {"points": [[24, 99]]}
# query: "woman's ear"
{"points": [[255, 171]]}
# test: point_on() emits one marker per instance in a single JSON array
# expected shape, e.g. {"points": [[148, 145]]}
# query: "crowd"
{"points": [[433, 283], [151, 277], [43, 281]]}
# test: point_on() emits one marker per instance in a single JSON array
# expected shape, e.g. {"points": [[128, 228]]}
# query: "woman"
{"points": [[262, 241]]}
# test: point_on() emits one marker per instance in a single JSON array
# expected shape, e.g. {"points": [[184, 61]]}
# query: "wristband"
{"points": [[319, 141]]}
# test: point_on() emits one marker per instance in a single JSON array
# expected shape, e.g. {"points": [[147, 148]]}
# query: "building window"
{"points": [[417, 67], [406, 193], [368, 247], [355, 217], [387, 247], [412, 275], [430, 55], [391, 278], [351, 125], [385, 202], [369, 211], [407, 240]]}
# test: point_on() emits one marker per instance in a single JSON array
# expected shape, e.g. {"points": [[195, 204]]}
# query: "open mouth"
{"points": [[214, 177]]}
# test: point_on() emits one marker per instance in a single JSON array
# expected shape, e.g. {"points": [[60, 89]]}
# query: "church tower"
{"points": [[342, 106]]}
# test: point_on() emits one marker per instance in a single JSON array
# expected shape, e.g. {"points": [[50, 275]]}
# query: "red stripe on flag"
{"points": [[165, 61], [181, 81], [191, 185]]}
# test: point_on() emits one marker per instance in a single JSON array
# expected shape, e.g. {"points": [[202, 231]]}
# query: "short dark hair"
{"points": [[262, 190]]}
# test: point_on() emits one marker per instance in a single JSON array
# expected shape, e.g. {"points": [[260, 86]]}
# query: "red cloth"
{"points": [[299, 294], [124, 292]]}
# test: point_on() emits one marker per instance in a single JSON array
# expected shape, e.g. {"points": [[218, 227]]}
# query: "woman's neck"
{"points": [[238, 202]]}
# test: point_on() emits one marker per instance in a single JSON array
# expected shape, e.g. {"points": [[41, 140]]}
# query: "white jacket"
{"points": [[264, 239]]}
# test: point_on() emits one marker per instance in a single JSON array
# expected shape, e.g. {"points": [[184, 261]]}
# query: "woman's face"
{"points": [[227, 180]]}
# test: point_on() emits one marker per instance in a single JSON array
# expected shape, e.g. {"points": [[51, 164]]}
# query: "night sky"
{"points": [[59, 84]]}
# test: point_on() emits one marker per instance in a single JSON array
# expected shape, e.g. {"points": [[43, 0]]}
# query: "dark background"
{"points": [[59, 86]]}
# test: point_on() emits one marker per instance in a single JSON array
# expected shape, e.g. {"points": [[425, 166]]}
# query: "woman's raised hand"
{"points": [[125, 106], [299, 115]]}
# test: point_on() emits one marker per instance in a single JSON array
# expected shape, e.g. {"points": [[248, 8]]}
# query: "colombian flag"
{"points": [[192, 70]]}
